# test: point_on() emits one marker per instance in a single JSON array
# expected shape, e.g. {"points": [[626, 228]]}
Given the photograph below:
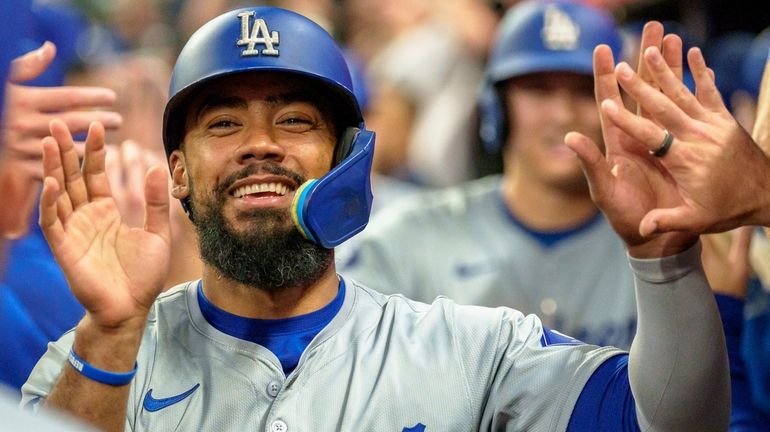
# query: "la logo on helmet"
{"points": [[259, 35], [559, 32]]}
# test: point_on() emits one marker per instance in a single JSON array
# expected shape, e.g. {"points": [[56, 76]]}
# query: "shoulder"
{"points": [[431, 208], [443, 315]]}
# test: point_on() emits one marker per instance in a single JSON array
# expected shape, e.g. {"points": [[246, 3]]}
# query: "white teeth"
{"points": [[277, 188]]}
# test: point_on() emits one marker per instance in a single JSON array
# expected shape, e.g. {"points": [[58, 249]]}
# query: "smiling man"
{"points": [[270, 157]]}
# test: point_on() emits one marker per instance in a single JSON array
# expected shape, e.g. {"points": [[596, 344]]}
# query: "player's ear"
{"points": [[180, 186]]}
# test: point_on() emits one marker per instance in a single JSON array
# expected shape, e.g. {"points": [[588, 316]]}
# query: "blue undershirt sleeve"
{"points": [[744, 416], [606, 402], [755, 345]]}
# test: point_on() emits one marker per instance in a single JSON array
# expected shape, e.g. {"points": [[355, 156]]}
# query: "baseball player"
{"points": [[531, 239], [269, 155]]}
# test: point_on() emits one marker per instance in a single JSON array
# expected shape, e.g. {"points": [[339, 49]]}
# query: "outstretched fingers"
{"points": [[157, 202], [73, 178], [705, 84], [652, 36], [637, 127], [670, 82], [52, 168], [605, 83], [67, 98], [606, 88], [663, 110], [672, 53], [595, 166], [32, 64], [96, 181], [54, 206]]}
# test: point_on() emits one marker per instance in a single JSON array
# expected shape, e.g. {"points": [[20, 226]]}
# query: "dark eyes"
{"points": [[223, 124], [295, 121], [290, 123]]}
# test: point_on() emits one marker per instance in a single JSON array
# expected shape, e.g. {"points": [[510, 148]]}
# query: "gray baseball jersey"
{"points": [[463, 243], [383, 363]]}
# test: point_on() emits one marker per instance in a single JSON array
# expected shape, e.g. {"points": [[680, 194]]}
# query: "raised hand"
{"points": [[627, 181], [722, 177], [29, 110], [114, 270]]}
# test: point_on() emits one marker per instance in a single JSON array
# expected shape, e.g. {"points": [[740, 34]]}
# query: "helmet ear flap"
{"points": [[345, 145], [493, 128]]}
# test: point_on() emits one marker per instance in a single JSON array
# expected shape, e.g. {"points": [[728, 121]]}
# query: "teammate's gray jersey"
{"points": [[463, 243], [383, 363]]}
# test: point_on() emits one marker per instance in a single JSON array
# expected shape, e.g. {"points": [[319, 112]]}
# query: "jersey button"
{"points": [[278, 426], [273, 388]]}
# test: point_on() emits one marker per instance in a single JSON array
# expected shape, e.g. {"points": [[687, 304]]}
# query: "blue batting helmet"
{"points": [[537, 36], [550, 36], [258, 39]]}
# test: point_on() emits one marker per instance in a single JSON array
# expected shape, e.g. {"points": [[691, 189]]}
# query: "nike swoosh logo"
{"points": [[151, 404], [471, 270]]}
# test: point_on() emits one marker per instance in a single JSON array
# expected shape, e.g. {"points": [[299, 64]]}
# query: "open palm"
{"points": [[626, 182], [114, 270]]}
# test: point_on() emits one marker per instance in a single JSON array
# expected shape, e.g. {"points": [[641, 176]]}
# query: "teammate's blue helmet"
{"points": [[267, 39], [538, 36]]}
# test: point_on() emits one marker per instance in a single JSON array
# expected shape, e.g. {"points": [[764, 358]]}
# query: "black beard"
{"points": [[270, 256]]}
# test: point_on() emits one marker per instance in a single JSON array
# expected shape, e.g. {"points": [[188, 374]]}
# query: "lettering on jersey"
{"points": [[259, 34], [560, 32], [419, 427], [554, 338]]}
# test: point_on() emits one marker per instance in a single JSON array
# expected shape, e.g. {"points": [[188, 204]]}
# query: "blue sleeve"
{"points": [[755, 345], [23, 343], [606, 402], [744, 416]]}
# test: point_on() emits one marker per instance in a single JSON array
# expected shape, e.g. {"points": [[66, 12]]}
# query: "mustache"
{"points": [[266, 168]]}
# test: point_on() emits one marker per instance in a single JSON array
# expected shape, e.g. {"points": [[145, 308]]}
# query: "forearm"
{"points": [[113, 350], [678, 363]]}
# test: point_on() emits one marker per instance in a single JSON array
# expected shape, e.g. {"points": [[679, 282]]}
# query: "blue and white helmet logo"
{"points": [[259, 34], [560, 32]]}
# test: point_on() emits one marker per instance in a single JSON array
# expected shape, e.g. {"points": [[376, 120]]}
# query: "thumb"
{"points": [[662, 220], [595, 167], [32, 64], [156, 199]]}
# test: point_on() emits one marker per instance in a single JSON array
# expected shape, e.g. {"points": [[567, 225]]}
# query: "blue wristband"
{"points": [[99, 375]]}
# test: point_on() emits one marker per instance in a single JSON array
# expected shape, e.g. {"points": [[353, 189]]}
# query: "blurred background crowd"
{"points": [[418, 68]]}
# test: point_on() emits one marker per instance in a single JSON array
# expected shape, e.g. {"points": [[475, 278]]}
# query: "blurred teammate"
{"points": [[531, 239], [272, 338]]}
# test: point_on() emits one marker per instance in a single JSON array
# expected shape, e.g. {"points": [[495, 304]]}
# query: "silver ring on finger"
{"points": [[668, 139]]}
